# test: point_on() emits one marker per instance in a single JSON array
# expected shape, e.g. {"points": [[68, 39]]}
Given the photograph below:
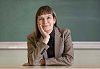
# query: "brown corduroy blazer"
{"points": [[64, 53]]}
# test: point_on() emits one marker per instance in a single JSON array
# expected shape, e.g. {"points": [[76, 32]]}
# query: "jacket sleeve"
{"points": [[34, 50], [67, 55]]}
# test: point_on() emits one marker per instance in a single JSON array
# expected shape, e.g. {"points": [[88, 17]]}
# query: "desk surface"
{"points": [[13, 59], [45, 67]]}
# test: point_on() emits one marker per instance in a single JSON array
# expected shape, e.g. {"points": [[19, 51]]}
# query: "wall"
{"points": [[81, 16]]}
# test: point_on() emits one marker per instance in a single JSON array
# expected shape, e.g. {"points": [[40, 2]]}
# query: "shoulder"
{"points": [[64, 31], [32, 35]]}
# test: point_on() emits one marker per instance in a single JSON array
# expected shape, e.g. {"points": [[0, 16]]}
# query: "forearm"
{"points": [[35, 48], [40, 47], [36, 54], [66, 61]]}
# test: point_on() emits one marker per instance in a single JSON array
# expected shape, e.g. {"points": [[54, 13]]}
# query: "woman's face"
{"points": [[46, 21]]}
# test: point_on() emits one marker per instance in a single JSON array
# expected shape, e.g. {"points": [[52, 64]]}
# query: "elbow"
{"points": [[70, 64], [69, 61]]}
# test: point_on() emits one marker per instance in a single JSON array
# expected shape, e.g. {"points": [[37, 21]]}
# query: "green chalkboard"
{"points": [[82, 17]]}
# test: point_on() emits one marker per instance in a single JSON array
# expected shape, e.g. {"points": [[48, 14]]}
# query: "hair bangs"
{"points": [[44, 11]]}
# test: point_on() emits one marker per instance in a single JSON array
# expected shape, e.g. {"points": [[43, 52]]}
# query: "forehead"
{"points": [[46, 15]]}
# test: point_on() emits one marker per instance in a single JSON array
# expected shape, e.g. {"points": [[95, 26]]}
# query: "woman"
{"points": [[49, 45]]}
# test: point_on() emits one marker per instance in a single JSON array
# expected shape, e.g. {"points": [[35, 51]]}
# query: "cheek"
{"points": [[52, 22], [40, 22]]}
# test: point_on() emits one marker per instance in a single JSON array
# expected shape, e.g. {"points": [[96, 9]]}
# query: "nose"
{"points": [[44, 21]]}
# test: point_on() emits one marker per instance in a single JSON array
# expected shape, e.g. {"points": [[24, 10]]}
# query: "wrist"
{"points": [[46, 40], [46, 37]]}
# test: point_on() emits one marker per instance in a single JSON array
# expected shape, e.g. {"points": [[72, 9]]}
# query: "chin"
{"points": [[46, 30]]}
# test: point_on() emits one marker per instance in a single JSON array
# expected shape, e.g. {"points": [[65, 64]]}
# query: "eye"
{"points": [[48, 17], [40, 19]]}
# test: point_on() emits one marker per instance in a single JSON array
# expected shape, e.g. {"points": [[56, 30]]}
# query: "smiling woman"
{"points": [[49, 44]]}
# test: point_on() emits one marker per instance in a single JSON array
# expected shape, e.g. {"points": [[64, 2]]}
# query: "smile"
{"points": [[45, 26]]}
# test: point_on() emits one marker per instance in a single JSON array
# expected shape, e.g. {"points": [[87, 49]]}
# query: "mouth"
{"points": [[45, 26]]}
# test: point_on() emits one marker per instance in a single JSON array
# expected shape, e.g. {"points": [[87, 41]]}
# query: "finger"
{"points": [[41, 29]]}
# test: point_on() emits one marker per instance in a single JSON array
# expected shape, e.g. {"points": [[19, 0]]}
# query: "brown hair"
{"points": [[44, 10]]}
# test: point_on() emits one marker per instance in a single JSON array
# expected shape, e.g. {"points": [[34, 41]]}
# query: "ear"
{"points": [[54, 20]]}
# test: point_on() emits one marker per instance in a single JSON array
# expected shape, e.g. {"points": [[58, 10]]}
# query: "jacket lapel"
{"points": [[58, 40]]}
